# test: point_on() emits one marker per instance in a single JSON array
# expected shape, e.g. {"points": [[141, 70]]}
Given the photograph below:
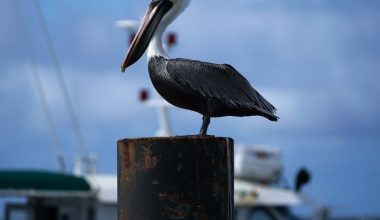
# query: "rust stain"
{"points": [[150, 161], [122, 214], [176, 205], [200, 216], [142, 161], [127, 157]]}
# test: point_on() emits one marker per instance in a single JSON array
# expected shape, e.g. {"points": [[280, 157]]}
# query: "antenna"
{"points": [[162, 112], [160, 104], [131, 26]]}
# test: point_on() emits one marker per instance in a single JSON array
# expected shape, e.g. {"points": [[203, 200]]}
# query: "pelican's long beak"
{"points": [[156, 11]]}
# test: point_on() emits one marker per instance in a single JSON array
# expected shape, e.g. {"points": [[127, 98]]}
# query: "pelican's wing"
{"points": [[220, 81]]}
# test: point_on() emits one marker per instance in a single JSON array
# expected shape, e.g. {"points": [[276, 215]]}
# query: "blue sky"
{"points": [[317, 61]]}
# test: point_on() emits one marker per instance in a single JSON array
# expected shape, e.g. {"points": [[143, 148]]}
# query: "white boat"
{"points": [[60, 196]]}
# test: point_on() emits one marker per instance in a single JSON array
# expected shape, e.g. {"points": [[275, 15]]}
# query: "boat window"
{"points": [[91, 213], [18, 215], [260, 214], [16, 212]]}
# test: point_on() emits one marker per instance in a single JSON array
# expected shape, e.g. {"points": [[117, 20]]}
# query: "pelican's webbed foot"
{"points": [[206, 122]]}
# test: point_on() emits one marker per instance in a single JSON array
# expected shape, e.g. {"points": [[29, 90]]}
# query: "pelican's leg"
{"points": [[206, 122]]}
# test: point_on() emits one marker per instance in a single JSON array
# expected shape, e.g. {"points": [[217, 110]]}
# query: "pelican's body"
{"points": [[213, 90]]}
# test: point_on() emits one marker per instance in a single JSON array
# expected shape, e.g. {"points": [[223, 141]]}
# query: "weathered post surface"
{"points": [[182, 178]]}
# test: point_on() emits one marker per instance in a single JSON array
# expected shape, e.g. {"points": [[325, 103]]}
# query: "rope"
{"points": [[66, 97], [40, 90]]}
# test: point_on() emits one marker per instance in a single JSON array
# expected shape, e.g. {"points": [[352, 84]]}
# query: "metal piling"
{"points": [[186, 178]]}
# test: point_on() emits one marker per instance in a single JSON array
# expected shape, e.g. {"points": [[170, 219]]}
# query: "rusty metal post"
{"points": [[186, 178]]}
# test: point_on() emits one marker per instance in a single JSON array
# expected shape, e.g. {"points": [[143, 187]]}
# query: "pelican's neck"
{"points": [[156, 48]]}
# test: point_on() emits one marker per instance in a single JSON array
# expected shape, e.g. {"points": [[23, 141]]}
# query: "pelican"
{"points": [[213, 90]]}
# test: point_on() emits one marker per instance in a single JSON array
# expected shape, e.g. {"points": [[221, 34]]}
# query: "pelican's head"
{"points": [[160, 12]]}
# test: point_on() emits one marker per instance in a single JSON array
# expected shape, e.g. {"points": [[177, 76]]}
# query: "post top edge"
{"points": [[176, 138]]}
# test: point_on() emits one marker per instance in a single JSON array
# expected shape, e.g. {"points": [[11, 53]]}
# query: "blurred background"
{"points": [[317, 61]]}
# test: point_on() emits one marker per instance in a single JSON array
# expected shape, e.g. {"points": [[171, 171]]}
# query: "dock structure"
{"points": [[185, 177]]}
